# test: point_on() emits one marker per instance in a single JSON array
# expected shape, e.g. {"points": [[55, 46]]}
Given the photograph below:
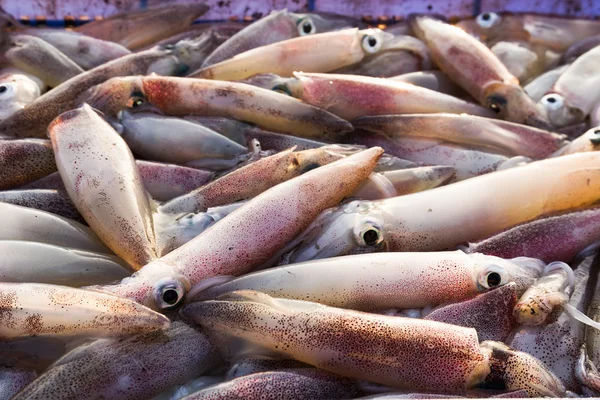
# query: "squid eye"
{"points": [[496, 103], [136, 102], [492, 277], [595, 137], [3, 89], [552, 102], [487, 20], [369, 235], [306, 27], [168, 293], [371, 44], [283, 89]]}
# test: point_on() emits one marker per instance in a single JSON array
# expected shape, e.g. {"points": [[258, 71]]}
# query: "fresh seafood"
{"points": [[24, 161], [174, 140], [49, 200], [550, 291], [164, 182], [476, 69], [137, 29], [24, 223], [375, 282], [285, 383], [30, 309], [522, 62], [102, 180], [350, 96], [276, 27], [589, 141], [12, 380], [513, 139], [574, 94], [557, 343], [400, 352], [253, 233], [433, 80], [136, 367], [538, 87], [184, 96], [489, 313], [321, 52], [403, 181], [46, 263], [554, 238], [33, 120], [17, 89], [428, 221]]}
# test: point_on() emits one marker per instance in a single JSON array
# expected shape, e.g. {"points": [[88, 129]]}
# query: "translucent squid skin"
{"points": [[24, 161], [251, 180], [353, 96], [513, 139], [589, 141], [50, 310], [186, 96], [400, 352], [480, 206], [52, 201], [557, 344], [164, 182], [33, 120], [321, 52], [554, 238], [101, 178], [477, 70], [135, 367], [575, 92], [489, 313], [306, 383], [12, 380], [374, 282], [249, 236], [276, 27], [549, 291]]}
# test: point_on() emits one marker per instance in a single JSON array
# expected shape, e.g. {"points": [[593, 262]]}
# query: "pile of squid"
{"points": [[302, 207]]}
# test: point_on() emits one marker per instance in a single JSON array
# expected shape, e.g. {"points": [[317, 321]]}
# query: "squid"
{"points": [[401, 352], [24, 161], [249, 236], [428, 221], [375, 282], [30, 309]]}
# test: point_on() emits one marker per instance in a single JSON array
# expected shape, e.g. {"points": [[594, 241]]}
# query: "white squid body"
{"points": [[101, 178], [28, 309], [370, 282]]}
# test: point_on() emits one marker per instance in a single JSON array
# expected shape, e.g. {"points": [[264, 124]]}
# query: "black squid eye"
{"points": [[283, 89], [493, 279], [2, 89], [170, 296], [486, 16], [306, 27], [551, 100], [371, 237]]}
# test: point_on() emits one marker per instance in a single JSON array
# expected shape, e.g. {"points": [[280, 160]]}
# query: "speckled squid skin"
{"points": [[164, 182], [554, 238], [305, 383], [400, 352], [12, 380], [28, 309], [101, 178], [52, 201], [489, 313], [23, 161], [375, 282], [477, 70], [255, 232], [467, 162], [275, 27], [513, 139], [321, 52], [33, 120], [488, 204], [138, 29], [136, 367], [187, 96], [250, 180], [353, 96]]}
